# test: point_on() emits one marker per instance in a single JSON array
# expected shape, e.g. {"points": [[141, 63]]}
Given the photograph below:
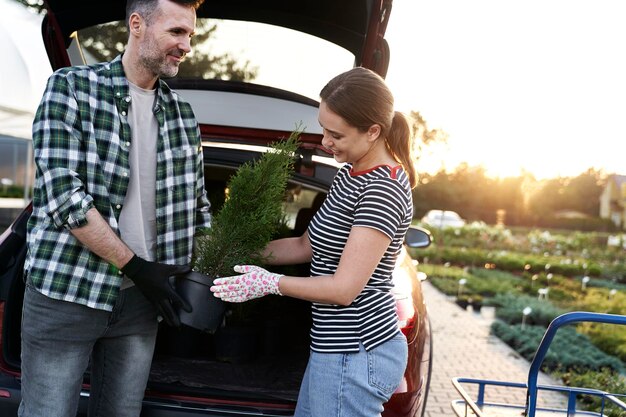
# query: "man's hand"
{"points": [[254, 283], [153, 280]]}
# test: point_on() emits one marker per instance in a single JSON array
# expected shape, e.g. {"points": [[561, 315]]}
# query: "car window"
{"points": [[300, 205], [235, 50], [300, 201]]}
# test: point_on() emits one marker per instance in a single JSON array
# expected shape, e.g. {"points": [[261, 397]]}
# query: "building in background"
{"points": [[613, 201], [16, 166]]}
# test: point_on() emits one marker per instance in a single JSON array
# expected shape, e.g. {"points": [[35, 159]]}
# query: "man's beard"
{"points": [[152, 60]]}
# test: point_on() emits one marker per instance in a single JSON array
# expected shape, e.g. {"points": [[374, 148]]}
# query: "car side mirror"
{"points": [[416, 237]]}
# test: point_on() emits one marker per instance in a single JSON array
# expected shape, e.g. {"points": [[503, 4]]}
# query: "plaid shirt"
{"points": [[81, 140]]}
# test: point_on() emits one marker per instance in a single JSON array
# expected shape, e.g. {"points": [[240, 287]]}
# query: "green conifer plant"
{"points": [[251, 214]]}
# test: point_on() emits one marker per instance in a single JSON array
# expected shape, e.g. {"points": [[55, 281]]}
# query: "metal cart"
{"points": [[474, 392]]}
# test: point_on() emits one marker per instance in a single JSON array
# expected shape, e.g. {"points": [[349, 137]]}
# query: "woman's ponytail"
{"points": [[400, 144]]}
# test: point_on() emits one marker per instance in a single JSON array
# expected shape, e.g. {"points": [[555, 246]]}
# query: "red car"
{"points": [[244, 97]]}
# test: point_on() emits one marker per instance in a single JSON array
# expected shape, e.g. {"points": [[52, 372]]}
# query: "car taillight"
{"points": [[405, 309], [407, 325]]}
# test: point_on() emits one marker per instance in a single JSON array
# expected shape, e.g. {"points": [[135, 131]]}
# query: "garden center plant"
{"points": [[509, 268], [251, 214]]}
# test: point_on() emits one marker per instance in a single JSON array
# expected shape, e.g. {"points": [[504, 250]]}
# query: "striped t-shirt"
{"points": [[379, 198]]}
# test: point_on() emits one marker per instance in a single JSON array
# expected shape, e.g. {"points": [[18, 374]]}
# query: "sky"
{"points": [[534, 85], [538, 85]]}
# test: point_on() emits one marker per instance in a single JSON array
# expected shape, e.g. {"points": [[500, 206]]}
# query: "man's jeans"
{"points": [[60, 338]]}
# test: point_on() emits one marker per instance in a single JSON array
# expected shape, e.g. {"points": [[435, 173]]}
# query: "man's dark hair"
{"points": [[146, 8]]}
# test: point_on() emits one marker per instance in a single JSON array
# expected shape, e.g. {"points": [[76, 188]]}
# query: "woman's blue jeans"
{"points": [[352, 384], [59, 339]]}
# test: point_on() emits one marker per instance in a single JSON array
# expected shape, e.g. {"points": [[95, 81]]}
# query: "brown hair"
{"points": [[361, 97], [146, 8]]}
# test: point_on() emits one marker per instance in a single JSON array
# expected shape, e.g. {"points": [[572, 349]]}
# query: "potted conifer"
{"points": [[248, 220]]}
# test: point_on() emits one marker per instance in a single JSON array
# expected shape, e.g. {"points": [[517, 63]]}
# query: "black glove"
{"points": [[153, 280]]}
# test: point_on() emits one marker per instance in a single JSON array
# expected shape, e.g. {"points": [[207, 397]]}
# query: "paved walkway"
{"points": [[463, 347]]}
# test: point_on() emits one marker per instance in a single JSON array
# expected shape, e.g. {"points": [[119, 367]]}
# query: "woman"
{"points": [[358, 354]]}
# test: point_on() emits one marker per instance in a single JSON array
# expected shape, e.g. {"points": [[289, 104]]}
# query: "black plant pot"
{"points": [[477, 306], [208, 310], [462, 302]]}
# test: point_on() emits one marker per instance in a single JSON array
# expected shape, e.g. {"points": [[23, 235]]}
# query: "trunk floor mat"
{"points": [[278, 376]]}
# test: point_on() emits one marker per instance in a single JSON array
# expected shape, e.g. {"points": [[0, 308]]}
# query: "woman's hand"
{"points": [[255, 282]]}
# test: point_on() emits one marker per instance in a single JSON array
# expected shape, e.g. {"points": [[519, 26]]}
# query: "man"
{"points": [[118, 199]]}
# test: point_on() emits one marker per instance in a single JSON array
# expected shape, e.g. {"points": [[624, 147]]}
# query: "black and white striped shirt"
{"points": [[379, 198]]}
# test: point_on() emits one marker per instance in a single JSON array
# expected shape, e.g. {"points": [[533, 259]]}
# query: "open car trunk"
{"points": [[259, 352], [261, 348], [258, 358]]}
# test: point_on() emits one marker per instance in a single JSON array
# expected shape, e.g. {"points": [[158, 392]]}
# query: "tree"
{"points": [[583, 192], [509, 196], [470, 192], [426, 136], [433, 192], [547, 197]]}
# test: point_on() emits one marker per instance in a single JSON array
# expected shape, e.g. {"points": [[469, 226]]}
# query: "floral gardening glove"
{"points": [[254, 283]]}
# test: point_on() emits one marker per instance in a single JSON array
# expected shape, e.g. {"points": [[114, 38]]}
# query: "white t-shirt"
{"points": [[137, 221]]}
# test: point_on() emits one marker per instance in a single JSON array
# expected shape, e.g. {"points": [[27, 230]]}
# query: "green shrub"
{"points": [[601, 301], [507, 261], [609, 338], [560, 295], [615, 271], [445, 285], [459, 256], [445, 279], [474, 235], [451, 272], [569, 350], [488, 282], [510, 307], [605, 380], [606, 283], [252, 214], [510, 265], [12, 191], [562, 290], [585, 224], [480, 283]]}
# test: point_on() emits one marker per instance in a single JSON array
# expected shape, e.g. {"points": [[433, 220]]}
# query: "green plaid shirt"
{"points": [[81, 140]]}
